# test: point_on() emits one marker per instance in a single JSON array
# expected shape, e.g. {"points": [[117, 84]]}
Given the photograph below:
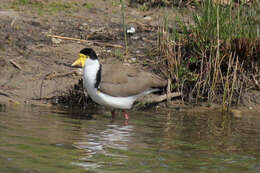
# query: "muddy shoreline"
{"points": [[36, 67]]}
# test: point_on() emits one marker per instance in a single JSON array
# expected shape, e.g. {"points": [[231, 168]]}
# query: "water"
{"points": [[40, 140]]}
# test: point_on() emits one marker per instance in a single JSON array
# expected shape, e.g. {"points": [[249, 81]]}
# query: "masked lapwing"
{"points": [[115, 85]]}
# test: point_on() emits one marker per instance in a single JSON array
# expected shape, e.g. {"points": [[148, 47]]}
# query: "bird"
{"points": [[116, 86]]}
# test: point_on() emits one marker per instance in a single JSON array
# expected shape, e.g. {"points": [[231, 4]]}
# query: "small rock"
{"points": [[135, 13], [132, 60], [84, 24], [236, 113], [96, 30], [135, 37], [9, 159], [35, 23], [131, 30], [56, 40], [148, 18]]}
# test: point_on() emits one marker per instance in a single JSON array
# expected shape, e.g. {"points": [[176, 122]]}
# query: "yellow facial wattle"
{"points": [[80, 61]]}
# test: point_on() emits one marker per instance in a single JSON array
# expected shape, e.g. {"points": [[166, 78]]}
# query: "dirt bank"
{"points": [[35, 64]]}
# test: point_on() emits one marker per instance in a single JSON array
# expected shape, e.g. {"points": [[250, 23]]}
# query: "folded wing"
{"points": [[122, 80]]}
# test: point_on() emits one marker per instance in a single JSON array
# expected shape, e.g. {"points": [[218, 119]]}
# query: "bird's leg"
{"points": [[125, 115], [113, 112]]}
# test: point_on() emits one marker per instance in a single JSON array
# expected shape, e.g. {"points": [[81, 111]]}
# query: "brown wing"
{"points": [[122, 80], [117, 73]]}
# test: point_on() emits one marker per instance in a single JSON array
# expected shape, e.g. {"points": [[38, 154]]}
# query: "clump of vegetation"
{"points": [[215, 59], [118, 53], [74, 97], [49, 7], [168, 3], [88, 5]]}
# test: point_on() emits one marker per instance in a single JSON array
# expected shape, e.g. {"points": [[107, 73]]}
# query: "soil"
{"points": [[36, 67]]}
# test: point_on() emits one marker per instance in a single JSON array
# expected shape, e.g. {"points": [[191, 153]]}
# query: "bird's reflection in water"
{"points": [[113, 137]]}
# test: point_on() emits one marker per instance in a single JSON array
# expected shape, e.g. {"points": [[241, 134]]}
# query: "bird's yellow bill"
{"points": [[80, 61]]}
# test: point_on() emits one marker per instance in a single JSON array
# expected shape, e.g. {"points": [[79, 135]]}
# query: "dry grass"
{"points": [[209, 62]]}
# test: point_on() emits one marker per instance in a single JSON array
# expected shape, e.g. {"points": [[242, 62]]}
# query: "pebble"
{"points": [[56, 40], [131, 30], [135, 37], [132, 60], [84, 24], [148, 18], [236, 113]]}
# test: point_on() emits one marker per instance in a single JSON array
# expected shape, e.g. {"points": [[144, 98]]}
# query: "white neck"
{"points": [[90, 72]]}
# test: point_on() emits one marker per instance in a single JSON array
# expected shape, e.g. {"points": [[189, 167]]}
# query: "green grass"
{"points": [[143, 7], [23, 2], [211, 59], [119, 53], [122, 2], [233, 22], [89, 5], [48, 7]]}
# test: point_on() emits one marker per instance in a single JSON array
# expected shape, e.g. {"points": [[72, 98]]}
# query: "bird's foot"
{"points": [[113, 112], [125, 115]]}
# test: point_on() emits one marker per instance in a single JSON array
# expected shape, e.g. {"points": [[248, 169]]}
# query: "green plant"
{"points": [[22, 2], [118, 53], [55, 7], [143, 7], [88, 5], [207, 59], [42, 7], [122, 2]]}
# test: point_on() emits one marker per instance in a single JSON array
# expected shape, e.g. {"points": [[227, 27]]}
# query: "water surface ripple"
{"points": [[36, 140]]}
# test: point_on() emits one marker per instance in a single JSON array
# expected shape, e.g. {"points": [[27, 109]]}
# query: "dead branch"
{"points": [[143, 26], [169, 83], [53, 75], [256, 82], [4, 93], [156, 99], [81, 40], [15, 64]]}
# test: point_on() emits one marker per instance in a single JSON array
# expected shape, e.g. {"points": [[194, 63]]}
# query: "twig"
{"points": [[143, 27], [81, 40], [4, 93], [16, 58], [256, 82], [156, 99], [13, 21], [169, 83], [15, 64], [82, 17], [53, 75], [122, 2], [146, 40]]}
